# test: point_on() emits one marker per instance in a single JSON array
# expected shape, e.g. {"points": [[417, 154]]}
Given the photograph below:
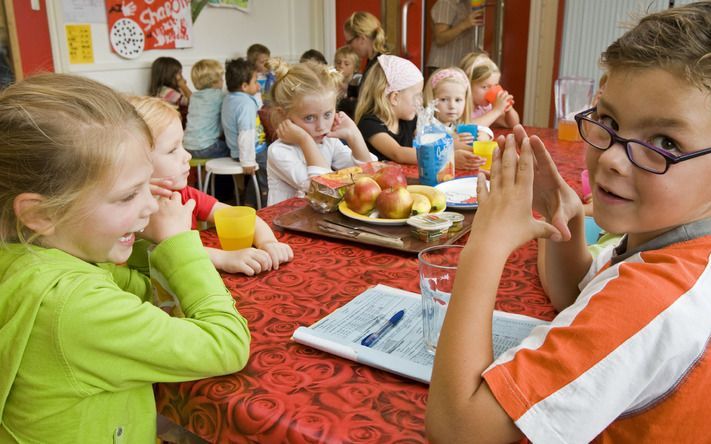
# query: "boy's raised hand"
{"points": [[504, 216], [249, 261], [173, 217], [553, 198]]}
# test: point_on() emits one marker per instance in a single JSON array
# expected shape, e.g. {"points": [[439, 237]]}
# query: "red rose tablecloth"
{"points": [[292, 393]]}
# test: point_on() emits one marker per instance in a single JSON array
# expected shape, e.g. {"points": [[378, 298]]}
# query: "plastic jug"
{"points": [[572, 95]]}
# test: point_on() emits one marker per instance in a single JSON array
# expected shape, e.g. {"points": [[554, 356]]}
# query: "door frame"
{"points": [[15, 57]]}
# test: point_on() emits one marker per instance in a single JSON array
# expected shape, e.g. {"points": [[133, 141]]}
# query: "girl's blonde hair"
{"points": [[450, 75], [157, 113], [295, 82], [206, 73], [365, 24], [483, 70], [372, 98], [471, 63], [62, 136]]}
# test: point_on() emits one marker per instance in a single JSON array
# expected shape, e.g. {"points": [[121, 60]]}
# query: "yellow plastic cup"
{"points": [[235, 227], [485, 149]]}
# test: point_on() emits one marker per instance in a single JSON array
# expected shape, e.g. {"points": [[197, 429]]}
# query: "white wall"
{"points": [[286, 27]]}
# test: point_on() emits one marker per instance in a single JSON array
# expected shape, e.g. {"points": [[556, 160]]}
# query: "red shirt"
{"points": [[203, 203]]}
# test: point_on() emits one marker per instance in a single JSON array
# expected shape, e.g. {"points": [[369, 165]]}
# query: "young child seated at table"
{"points": [[386, 113], [449, 89], [204, 128], [81, 343], [484, 75], [628, 359], [171, 167], [308, 129]]}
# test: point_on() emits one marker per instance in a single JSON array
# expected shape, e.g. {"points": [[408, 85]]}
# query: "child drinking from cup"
{"points": [[81, 343], [386, 113], [171, 168], [308, 129], [449, 89], [491, 110], [627, 357]]}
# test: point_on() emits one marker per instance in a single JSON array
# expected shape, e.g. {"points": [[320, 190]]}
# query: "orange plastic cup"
{"points": [[485, 149], [492, 92], [235, 227]]}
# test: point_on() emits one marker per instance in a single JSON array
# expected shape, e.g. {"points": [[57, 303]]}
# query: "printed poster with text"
{"points": [[164, 24]]}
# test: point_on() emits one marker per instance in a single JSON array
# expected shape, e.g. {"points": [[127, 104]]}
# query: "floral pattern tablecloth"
{"points": [[292, 393]]}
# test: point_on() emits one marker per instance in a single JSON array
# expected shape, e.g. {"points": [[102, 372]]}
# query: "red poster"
{"points": [[138, 25]]}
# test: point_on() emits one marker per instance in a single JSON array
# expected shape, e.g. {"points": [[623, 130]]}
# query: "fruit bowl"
{"points": [[373, 218]]}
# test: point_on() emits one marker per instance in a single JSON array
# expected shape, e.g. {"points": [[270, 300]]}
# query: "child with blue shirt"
{"points": [[204, 127], [244, 132]]}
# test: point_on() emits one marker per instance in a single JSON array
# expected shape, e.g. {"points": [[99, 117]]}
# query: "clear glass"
{"points": [[438, 267]]}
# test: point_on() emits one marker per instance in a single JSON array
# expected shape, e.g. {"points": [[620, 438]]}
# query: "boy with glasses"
{"points": [[627, 359]]}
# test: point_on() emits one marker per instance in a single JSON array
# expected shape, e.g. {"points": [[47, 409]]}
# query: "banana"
{"points": [[437, 198], [420, 204]]}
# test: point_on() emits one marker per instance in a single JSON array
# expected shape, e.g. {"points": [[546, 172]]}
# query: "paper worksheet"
{"points": [[402, 349]]}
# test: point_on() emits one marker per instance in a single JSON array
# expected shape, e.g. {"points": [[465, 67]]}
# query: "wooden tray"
{"points": [[305, 220]]}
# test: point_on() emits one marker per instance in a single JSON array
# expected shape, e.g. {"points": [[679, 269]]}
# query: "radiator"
{"points": [[591, 25]]}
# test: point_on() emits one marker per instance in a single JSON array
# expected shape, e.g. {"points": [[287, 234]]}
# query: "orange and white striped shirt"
{"points": [[630, 360]]}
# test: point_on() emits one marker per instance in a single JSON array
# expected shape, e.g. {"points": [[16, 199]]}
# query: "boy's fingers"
{"points": [[509, 162], [482, 192]]}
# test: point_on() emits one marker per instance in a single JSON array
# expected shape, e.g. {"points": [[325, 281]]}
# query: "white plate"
{"points": [[461, 192]]}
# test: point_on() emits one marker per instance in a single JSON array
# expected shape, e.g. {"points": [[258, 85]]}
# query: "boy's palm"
{"points": [[553, 198], [504, 214]]}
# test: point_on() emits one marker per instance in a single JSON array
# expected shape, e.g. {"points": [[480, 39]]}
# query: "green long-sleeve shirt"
{"points": [[81, 344]]}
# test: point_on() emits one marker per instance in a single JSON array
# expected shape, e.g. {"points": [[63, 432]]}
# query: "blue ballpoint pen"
{"points": [[372, 338]]}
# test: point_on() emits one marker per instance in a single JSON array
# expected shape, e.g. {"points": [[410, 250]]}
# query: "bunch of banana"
{"points": [[426, 199]]}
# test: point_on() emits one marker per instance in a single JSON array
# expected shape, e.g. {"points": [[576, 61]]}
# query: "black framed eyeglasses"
{"points": [[642, 155], [350, 40]]}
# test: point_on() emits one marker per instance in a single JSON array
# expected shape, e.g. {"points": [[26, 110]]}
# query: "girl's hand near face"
{"points": [[173, 217], [343, 127], [161, 187], [504, 101], [291, 133]]}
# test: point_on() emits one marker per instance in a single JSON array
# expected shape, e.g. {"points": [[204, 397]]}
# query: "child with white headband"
{"points": [[449, 89], [387, 108]]}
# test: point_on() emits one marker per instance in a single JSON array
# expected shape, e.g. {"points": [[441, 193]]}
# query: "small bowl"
{"points": [[429, 227], [456, 218]]}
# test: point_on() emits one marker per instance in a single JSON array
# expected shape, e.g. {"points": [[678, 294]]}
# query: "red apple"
{"points": [[360, 197], [391, 177], [394, 203]]}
